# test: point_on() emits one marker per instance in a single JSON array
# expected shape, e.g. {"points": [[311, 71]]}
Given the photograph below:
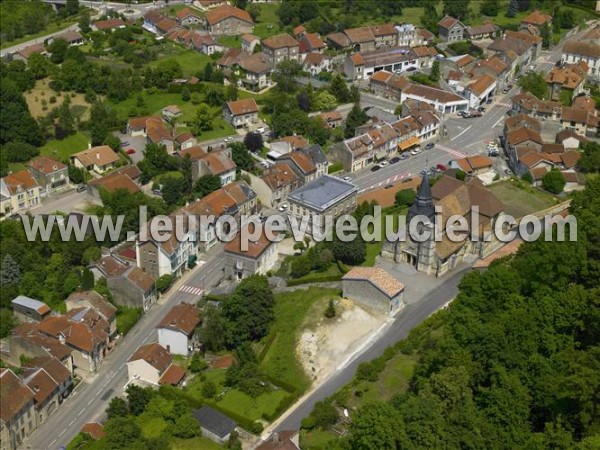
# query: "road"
{"points": [[91, 397], [411, 316]]}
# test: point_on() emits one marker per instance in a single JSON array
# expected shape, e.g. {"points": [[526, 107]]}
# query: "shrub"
{"points": [[164, 283], [405, 197], [330, 311]]}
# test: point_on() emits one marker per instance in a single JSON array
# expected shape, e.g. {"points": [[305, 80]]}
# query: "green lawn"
{"points": [[152, 427], [373, 249], [191, 62], [127, 318], [230, 41], [267, 23], [319, 440], [291, 309], [520, 199], [65, 148], [199, 443]]}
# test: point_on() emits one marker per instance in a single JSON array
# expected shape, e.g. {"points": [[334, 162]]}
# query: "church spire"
{"points": [[423, 204]]}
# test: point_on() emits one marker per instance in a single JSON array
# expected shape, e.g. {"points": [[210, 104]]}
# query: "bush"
{"points": [[554, 182], [308, 423], [330, 311], [335, 167], [197, 364], [164, 283], [405, 197], [325, 414], [209, 389]]}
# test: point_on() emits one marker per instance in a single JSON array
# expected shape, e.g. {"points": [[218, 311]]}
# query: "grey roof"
{"points": [[315, 153], [27, 302], [322, 193], [212, 420]]}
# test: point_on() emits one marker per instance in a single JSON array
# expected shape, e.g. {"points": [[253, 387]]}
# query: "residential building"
{"points": [[443, 101], [450, 29], [98, 159], [575, 52], [407, 35], [282, 440], [17, 412], [324, 197], [241, 113], [129, 284], [533, 41], [317, 156], [388, 85], [249, 43], [338, 41], [495, 67], [228, 20], [408, 133], [214, 425], [188, 17], [488, 30], [522, 47], [570, 139], [73, 38], [24, 53], [28, 309], [152, 364], [521, 120], [204, 43], [276, 183], [310, 43], [582, 121], [374, 289], [315, 63], [50, 382], [185, 140], [108, 24], [529, 104], [50, 175], [281, 47], [111, 183], [332, 119], [171, 112], [254, 71], [177, 330], [93, 300], [19, 191], [253, 257], [535, 21], [216, 162], [569, 78], [361, 66], [300, 163], [475, 165], [480, 89]]}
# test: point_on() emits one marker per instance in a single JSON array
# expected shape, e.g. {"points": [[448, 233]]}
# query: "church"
{"points": [[453, 197]]}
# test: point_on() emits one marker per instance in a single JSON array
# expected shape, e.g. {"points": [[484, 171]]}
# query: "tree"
{"points": [[58, 49], [546, 34], [324, 414], [185, 94], [215, 96], [527, 177], [253, 141], [430, 17], [285, 75], [435, 72], [376, 426], [352, 252], [554, 182], [209, 389], [197, 364], [207, 184], [459, 9], [117, 408], [535, 84], [39, 66], [84, 22], [19, 151], [304, 100], [65, 125], [339, 89], [330, 310], [137, 398], [186, 427], [248, 312], [72, 7], [490, 8], [122, 432], [513, 8], [241, 156], [204, 120], [172, 190], [317, 131], [356, 118], [405, 197], [231, 93], [324, 101], [164, 282], [7, 322], [590, 157], [9, 270], [208, 72], [87, 279], [211, 333]]}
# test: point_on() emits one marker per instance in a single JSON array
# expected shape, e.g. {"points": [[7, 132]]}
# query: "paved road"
{"points": [[91, 398], [408, 318]]}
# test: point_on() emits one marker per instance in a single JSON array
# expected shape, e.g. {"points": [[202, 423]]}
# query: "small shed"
{"points": [[374, 288], [215, 425], [28, 309]]}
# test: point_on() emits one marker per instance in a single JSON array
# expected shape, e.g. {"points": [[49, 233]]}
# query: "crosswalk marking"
{"points": [[451, 151], [503, 104], [191, 290], [390, 180]]}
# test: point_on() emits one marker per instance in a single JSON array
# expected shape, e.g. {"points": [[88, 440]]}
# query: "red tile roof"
{"points": [[254, 248], [94, 429], [245, 106], [537, 18], [108, 24], [280, 41], [173, 376], [46, 165], [155, 355], [183, 317], [100, 156], [19, 180], [378, 278], [225, 12], [114, 182], [14, 395]]}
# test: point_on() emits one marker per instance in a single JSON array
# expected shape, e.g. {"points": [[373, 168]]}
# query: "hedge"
{"points": [[314, 279], [281, 408]]}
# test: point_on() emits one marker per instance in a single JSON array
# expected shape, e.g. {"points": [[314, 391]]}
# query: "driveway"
{"points": [[138, 143]]}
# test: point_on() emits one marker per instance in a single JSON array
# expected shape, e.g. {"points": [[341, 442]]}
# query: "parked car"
{"points": [[130, 151], [411, 69], [489, 101], [375, 168], [156, 191], [81, 188], [261, 130], [493, 152], [283, 207], [228, 139], [124, 144], [394, 160], [429, 146], [347, 178], [383, 163], [415, 151], [481, 109], [441, 167], [403, 156]]}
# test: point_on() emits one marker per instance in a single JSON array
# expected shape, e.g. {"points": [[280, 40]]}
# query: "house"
{"points": [[586, 48], [338, 41], [241, 113], [326, 196], [450, 29], [525, 47], [315, 63], [17, 412], [108, 24], [537, 20], [480, 89], [249, 42], [495, 67], [50, 382], [214, 425], [185, 140], [276, 183], [281, 440], [310, 43], [129, 285], [361, 66], [188, 17], [246, 258], [153, 364], [50, 175], [111, 183], [443, 101], [19, 191], [475, 165], [204, 43], [26, 52], [332, 119], [85, 332], [228, 20], [570, 139], [569, 78], [521, 120], [217, 162], [407, 35], [582, 121], [529, 104], [98, 159], [371, 38], [374, 288], [281, 47], [254, 71], [428, 124], [73, 38], [171, 112], [300, 163], [28, 309], [488, 30], [388, 85], [317, 156], [208, 4], [154, 129], [93, 300], [176, 331]]}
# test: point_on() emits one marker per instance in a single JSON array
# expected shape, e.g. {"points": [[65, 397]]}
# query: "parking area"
{"points": [[128, 143]]}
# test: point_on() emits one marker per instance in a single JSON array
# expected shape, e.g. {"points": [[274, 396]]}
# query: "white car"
{"points": [[228, 139], [347, 178], [261, 130], [283, 207], [416, 151], [383, 163]]}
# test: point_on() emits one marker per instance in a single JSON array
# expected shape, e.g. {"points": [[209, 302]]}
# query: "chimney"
{"points": [[89, 145], [98, 156]]}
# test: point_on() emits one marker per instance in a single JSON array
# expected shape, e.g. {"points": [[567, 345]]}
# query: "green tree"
{"points": [[513, 9], [209, 389], [137, 398], [231, 93], [253, 141], [535, 84], [527, 177], [204, 120], [405, 197], [554, 182], [324, 101], [376, 426], [435, 72], [490, 8], [459, 9], [197, 364], [356, 117], [19, 151], [352, 252], [339, 89], [7, 322], [330, 310], [430, 17], [117, 408], [65, 124], [211, 333], [207, 184], [241, 156], [590, 157], [84, 22], [318, 132], [186, 427], [248, 312], [87, 279], [325, 414], [122, 432], [185, 94], [39, 65], [173, 189], [58, 49], [164, 282], [72, 7]]}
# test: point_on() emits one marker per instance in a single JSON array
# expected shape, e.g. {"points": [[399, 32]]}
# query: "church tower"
{"points": [[424, 260]]}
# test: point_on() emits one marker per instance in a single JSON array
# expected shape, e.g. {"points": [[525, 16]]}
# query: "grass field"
{"points": [[152, 427], [191, 62], [65, 148], [267, 23], [520, 199], [42, 91], [127, 318], [199, 443], [291, 309]]}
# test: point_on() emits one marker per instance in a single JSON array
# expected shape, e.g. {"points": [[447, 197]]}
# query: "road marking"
{"points": [[62, 432], [503, 105], [90, 402], [52, 443], [461, 133], [71, 423], [497, 123], [191, 290], [451, 151], [80, 412]]}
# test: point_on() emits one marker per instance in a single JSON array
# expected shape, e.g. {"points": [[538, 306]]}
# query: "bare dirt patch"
{"points": [[38, 100], [325, 344]]}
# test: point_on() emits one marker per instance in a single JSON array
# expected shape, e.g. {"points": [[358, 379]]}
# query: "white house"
{"points": [[152, 364], [176, 330], [241, 113]]}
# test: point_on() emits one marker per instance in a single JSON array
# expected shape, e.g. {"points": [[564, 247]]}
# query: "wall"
{"points": [[364, 293], [143, 370], [174, 341]]}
